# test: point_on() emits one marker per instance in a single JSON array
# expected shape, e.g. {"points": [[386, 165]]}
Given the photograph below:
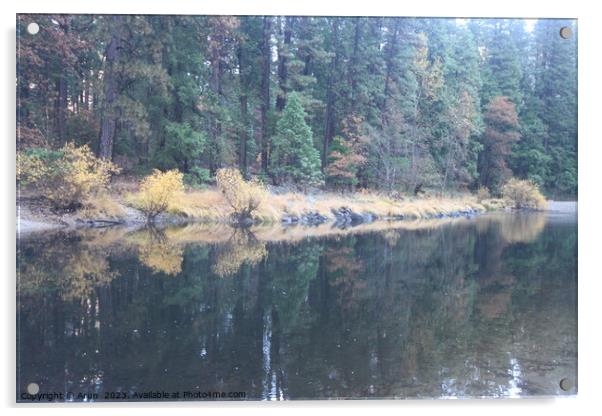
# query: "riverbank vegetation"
{"points": [[237, 201], [158, 192], [260, 118], [523, 194]]}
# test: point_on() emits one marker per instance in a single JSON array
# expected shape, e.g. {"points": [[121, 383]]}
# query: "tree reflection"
{"points": [[461, 309], [241, 248], [71, 266], [345, 270], [158, 253]]}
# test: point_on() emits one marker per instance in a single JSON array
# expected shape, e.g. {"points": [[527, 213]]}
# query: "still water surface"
{"points": [[481, 307]]}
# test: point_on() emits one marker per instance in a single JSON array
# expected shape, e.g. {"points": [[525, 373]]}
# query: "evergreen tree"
{"points": [[502, 71], [556, 89], [294, 157], [529, 159]]}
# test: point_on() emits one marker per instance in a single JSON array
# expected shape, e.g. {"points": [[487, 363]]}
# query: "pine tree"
{"points": [[502, 71], [294, 157], [556, 88]]}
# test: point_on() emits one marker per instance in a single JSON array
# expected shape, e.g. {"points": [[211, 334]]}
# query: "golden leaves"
{"points": [[66, 177], [523, 194], [157, 192], [244, 197]]}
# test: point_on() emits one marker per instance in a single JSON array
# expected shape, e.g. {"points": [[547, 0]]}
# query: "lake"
{"points": [[469, 307]]}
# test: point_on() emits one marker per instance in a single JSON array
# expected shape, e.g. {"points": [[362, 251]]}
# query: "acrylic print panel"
{"points": [[285, 207]]}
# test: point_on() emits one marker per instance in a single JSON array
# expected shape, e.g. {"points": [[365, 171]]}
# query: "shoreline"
{"points": [[339, 211], [283, 211]]}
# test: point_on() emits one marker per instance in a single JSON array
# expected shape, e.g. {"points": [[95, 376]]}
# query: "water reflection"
{"points": [[158, 253], [482, 307], [242, 247]]}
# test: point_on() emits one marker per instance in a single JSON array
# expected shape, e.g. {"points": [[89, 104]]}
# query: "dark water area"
{"points": [[482, 307]]}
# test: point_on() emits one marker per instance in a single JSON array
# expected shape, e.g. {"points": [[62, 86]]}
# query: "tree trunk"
{"points": [[61, 108], [244, 112], [265, 92], [283, 64], [330, 97], [109, 117], [215, 127], [354, 65], [392, 49], [61, 101]]}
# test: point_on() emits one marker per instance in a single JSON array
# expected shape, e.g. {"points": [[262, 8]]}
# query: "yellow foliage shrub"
{"points": [[523, 194], [242, 196], [66, 177], [157, 192]]}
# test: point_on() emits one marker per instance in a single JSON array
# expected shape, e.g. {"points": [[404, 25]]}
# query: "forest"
{"points": [[343, 103]]}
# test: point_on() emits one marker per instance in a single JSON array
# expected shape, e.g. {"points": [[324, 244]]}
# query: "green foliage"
{"points": [[197, 177], [294, 157], [183, 145], [529, 159], [503, 72], [555, 88], [196, 93]]}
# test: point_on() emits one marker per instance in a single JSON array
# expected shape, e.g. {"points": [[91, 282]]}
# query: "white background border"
{"points": [[590, 160]]}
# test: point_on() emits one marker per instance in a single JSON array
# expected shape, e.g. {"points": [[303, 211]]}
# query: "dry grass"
{"points": [[101, 205], [382, 206], [210, 205], [493, 204]]}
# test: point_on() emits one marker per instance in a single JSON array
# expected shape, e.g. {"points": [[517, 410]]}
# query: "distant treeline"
{"points": [[382, 103]]}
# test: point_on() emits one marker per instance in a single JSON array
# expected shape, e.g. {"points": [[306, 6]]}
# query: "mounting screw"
{"points": [[566, 384], [566, 32], [33, 388], [33, 28]]}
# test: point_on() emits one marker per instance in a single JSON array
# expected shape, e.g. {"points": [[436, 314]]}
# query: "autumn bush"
{"points": [[157, 192], [244, 197], [68, 177], [523, 194]]}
